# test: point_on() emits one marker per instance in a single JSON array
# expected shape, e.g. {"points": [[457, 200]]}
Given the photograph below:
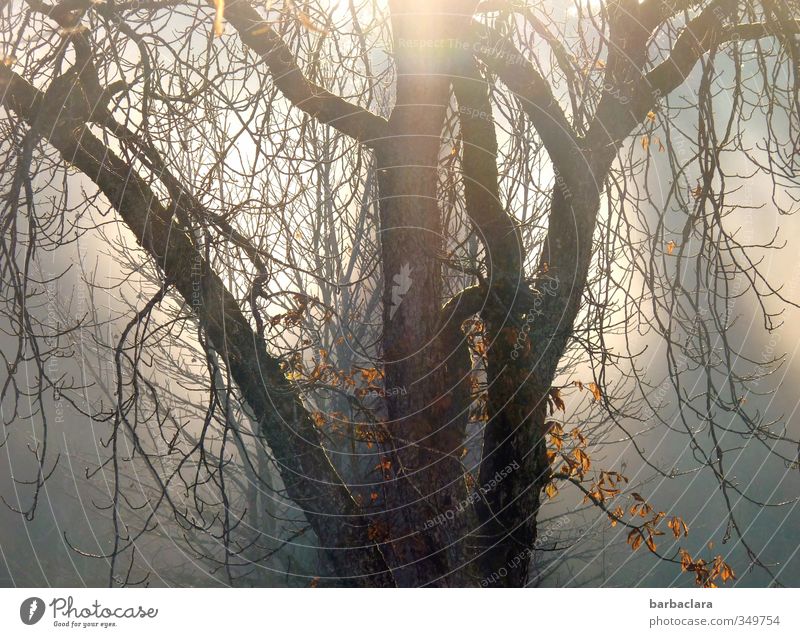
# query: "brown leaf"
{"points": [[581, 457], [635, 539], [686, 560], [727, 573], [555, 394]]}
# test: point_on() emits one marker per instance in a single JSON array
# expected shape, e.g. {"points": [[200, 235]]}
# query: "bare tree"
{"points": [[380, 246]]}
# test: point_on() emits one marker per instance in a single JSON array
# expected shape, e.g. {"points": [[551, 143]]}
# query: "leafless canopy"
{"points": [[389, 276]]}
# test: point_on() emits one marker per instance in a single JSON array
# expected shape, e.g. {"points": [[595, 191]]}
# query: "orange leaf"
{"points": [[581, 456], [678, 526], [318, 418], [686, 560], [635, 539], [727, 573]]}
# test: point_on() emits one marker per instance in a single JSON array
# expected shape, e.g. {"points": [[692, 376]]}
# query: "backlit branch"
{"points": [[310, 479]]}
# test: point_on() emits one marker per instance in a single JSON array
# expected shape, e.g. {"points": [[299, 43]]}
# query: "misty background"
{"points": [[72, 524]]}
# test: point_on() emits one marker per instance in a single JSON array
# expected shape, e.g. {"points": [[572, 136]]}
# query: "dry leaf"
{"points": [[555, 394]]}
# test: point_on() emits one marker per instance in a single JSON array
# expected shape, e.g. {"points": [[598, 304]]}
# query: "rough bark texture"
{"points": [[427, 474]]}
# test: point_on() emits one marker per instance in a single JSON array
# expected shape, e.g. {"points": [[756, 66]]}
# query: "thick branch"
{"points": [[311, 481], [698, 37], [319, 103], [533, 91], [623, 108], [496, 229], [257, 34], [560, 51]]}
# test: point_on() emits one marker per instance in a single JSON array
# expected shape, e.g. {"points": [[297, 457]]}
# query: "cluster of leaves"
{"points": [[371, 434], [706, 574], [292, 317], [646, 532], [571, 449], [643, 519], [358, 381]]}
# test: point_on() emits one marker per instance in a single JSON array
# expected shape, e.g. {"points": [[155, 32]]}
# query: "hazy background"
{"points": [[589, 551]]}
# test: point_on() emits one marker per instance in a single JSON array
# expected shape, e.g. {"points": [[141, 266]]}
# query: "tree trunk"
{"points": [[427, 434], [526, 346]]}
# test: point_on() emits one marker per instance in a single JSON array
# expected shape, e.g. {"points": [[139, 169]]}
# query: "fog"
{"points": [[72, 528]]}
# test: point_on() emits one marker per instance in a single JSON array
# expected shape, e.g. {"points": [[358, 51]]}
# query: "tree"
{"points": [[393, 239]]}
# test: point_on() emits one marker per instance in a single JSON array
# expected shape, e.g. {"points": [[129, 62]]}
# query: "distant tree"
{"points": [[380, 247]]}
